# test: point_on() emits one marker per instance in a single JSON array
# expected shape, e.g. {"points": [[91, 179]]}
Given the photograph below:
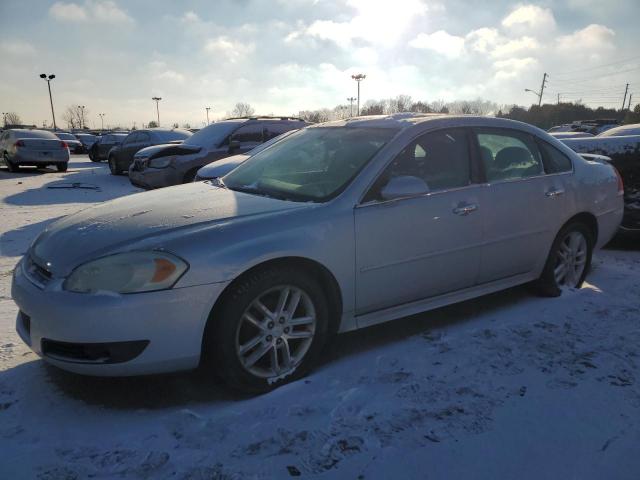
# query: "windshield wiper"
{"points": [[268, 193]]}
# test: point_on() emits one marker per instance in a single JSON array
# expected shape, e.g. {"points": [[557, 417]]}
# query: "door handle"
{"points": [[465, 209], [555, 193]]}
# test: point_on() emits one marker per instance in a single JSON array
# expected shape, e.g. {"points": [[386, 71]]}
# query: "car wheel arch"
{"points": [[589, 220], [327, 280]]}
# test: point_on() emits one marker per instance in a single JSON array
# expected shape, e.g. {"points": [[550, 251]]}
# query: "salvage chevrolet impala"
{"points": [[337, 227]]}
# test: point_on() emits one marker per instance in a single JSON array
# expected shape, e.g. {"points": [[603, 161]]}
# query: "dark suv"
{"points": [[103, 145], [121, 156], [165, 165]]}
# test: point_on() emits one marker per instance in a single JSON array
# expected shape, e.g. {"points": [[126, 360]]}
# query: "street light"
{"points": [[358, 78], [101, 115], [157, 99], [48, 79], [207, 109], [81, 107], [351, 100], [535, 93]]}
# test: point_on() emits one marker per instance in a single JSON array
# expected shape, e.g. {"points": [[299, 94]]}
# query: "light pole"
{"points": [[101, 115], [351, 100], [535, 93], [48, 79], [207, 109], [81, 107], [358, 78], [157, 99]]}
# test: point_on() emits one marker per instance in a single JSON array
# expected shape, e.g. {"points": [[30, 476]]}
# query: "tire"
{"points": [[13, 168], [573, 249], [62, 167], [113, 166], [190, 175], [229, 330], [93, 155]]}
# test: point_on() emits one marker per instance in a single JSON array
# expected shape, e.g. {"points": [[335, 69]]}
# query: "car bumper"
{"points": [[154, 177], [608, 225], [111, 334], [40, 158]]}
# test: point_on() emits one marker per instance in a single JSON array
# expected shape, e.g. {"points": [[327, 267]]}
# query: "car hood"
{"points": [[221, 167], [145, 220]]}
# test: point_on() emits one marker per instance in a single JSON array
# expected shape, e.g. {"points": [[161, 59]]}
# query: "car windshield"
{"points": [[267, 144], [314, 164], [34, 134], [66, 136], [212, 135], [621, 131]]}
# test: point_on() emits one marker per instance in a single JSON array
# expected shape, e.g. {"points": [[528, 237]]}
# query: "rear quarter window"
{"points": [[554, 160]]}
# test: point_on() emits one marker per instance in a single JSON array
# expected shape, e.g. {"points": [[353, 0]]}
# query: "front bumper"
{"points": [[154, 177], [141, 333]]}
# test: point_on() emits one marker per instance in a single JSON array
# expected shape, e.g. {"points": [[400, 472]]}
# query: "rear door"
{"points": [[421, 246], [249, 136], [524, 206]]}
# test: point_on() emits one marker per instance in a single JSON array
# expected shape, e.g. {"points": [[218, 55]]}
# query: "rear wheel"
{"points": [[93, 155], [10, 165], [113, 166], [569, 260], [62, 167], [269, 330]]}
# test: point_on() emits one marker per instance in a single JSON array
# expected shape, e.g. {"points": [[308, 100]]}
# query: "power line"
{"points": [[591, 78], [595, 67]]}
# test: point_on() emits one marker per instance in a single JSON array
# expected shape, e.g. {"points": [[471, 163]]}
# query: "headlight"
{"points": [[161, 162], [131, 272]]}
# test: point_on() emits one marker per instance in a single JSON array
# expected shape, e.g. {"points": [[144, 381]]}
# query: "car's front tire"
{"points": [[269, 330], [13, 168], [93, 154], [113, 166], [569, 260], [62, 167]]}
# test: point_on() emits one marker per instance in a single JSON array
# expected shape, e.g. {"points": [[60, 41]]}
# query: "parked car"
{"points": [[593, 127], [100, 149], [165, 165], [337, 227], [37, 148], [121, 156], [560, 135], [224, 166], [75, 145], [87, 140], [623, 130], [623, 153]]}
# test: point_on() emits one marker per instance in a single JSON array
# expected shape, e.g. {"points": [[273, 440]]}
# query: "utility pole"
{"points": [[101, 115], [358, 78], [544, 81], [624, 100], [48, 80], [351, 100], [558, 99], [207, 109], [628, 105], [157, 100]]}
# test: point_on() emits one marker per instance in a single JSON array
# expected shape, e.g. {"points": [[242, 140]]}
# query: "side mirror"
{"points": [[233, 145], [403, 186]]}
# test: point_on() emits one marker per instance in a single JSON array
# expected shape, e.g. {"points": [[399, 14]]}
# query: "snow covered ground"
{"points": [[507, 386]]}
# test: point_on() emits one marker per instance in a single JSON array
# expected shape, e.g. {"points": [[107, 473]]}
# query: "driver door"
{"points": [[425, 245]]}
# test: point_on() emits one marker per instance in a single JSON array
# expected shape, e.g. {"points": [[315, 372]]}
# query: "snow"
{"points": [[506, 386]]}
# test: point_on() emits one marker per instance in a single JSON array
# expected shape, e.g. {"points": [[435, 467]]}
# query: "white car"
{"points": [[336, 227]]}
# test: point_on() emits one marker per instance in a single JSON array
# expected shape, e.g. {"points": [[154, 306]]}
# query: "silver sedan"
{"points": [[337, 227], [37, 148]]}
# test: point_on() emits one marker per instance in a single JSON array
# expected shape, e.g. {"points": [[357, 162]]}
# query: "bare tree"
{"points": [[316, 116], [373, 107], [242, 110], [401, 103], [420, 107], [12, 118], [74, 116], [152, 124]]}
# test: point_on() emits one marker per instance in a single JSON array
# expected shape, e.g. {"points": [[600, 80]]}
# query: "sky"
{"points": [[283, 56]]}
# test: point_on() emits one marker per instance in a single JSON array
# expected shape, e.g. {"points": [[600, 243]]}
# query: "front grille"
{"points": [[139, 164], [38, 275]]}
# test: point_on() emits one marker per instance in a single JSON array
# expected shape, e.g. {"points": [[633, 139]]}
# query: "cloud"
{"points": [[172, 76], [17, 48], [440, 42], [230, 49], [530, 18], [105, 11], [594, 37], [513, 67]]}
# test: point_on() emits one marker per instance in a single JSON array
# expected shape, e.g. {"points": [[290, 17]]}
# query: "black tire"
{"points": [[219, 343], [93, 155], [547, 285], [113, 166], [62, 167], [13, 168]]}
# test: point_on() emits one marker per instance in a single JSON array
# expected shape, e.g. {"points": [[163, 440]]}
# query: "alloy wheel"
{"points": [[571, 260], [275, 332]]}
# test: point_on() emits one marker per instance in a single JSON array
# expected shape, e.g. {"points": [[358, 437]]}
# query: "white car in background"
{"points": [[36, 148]]}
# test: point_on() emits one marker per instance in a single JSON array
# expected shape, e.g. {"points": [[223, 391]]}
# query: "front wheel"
{"points": [[113, 166], [269, 330], [569, 260], [62, 167], [13, 168], [93, 155]]}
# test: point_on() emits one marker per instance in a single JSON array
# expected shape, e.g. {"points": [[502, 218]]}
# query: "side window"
{"points": [[508, 155], [554, 160], [249, 134], [130, 140], [143, 138], [441, 159], [272, 130]]}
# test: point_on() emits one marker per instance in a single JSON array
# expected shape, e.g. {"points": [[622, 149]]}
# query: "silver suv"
{"points": [[165, 165]]}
